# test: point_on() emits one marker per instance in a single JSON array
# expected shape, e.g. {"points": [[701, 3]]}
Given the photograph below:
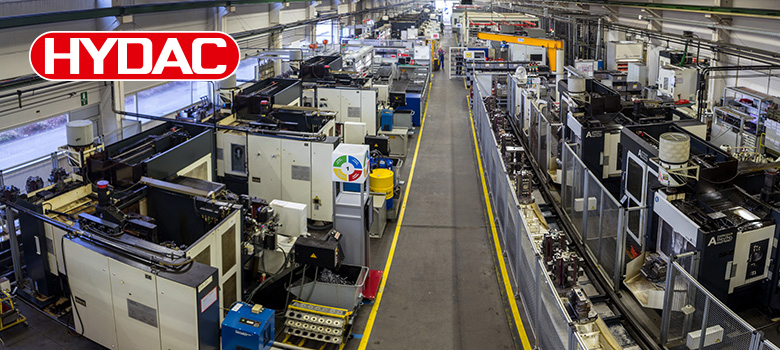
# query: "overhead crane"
{"points": [[554, 47]]}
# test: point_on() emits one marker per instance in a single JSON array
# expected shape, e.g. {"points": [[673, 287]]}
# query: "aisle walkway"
{"points": [[442, 291]]}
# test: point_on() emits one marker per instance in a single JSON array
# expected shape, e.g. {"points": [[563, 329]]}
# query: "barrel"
{"points": [[382, 182]]}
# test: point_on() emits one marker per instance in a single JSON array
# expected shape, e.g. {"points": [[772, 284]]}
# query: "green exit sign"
{"points": [[84, 98]]}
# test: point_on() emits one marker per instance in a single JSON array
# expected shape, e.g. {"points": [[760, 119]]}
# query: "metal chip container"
{"points": [[344, 296]]}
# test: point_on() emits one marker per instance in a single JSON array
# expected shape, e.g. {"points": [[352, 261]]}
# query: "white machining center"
{"points": [[350, 104], [124, 293], [278, 167]]}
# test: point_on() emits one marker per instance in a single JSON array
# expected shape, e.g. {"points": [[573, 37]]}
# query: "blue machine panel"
{"points": [[386, 119], [243, 329], [414, 103]]}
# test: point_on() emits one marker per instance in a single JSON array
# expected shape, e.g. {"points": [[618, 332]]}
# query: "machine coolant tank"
{"points": [[79, 133], [382, 182], [674, 148], [576, 84]]}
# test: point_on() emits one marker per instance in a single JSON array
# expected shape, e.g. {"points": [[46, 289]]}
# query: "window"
{"points": [[130, 105], [246, 69], [47, 135], [635, 179], [167, 98], [325, 31]]}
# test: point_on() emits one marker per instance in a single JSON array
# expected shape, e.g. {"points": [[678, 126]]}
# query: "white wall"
{"points": [[247, 18], [43, 105], [15, 45]]}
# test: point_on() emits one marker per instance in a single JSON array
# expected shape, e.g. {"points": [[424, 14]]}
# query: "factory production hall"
{"points": [[390, 174]]}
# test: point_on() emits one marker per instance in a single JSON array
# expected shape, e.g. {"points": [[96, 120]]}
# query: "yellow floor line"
{"points": [[501, 264], [372, 315]]}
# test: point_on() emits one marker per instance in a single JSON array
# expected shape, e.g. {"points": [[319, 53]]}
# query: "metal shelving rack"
{"points": [[742, 118], [457, 63]]}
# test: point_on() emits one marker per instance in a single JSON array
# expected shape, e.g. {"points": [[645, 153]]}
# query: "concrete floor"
{"points": [[42, 333], [443, 291]]}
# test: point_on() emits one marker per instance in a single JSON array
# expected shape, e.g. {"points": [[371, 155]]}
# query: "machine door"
{"points": [[611, 155], [636, 177], [329, 99], [751, 257], [90, 285], [265, 167], [351, 103], [321, 207], [135, 306], [296, 171], [368, 113]]}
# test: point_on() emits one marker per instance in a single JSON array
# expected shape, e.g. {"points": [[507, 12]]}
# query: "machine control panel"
{"points": [[757, 258], [249, 322], [238, 158]]}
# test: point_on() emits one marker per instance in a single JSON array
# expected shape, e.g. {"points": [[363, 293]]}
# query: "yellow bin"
{"points": [[382, 182]]}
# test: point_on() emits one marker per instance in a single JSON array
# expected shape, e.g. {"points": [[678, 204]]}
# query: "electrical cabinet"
{"points": [[354, 132], [678, 82], [296, 171], [121, 304], [637, 72], [321, 205], [265, 166], [519, 52], [293, 170], [134, 296], [174, 304], [351, 105], [422, 53], [90, 281]]}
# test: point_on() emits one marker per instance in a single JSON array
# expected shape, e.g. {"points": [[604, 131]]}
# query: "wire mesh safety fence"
{"points": [[767, 345], [693, 318], [548, 317], [601, 223], [596, 215]]}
